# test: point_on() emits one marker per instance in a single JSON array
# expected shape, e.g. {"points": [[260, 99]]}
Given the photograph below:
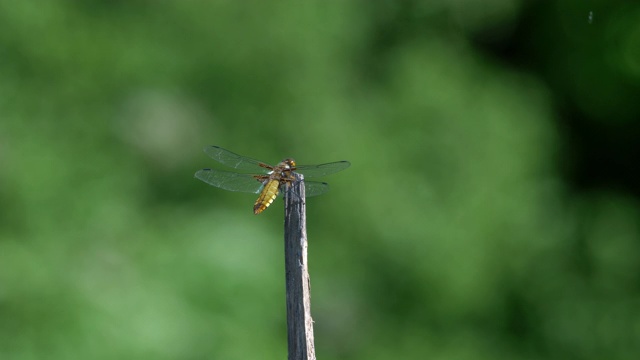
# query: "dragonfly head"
{"points": [[289, 163]]}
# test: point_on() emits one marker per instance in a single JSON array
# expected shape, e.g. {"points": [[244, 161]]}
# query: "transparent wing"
{"points": [[230, 181], [315, 188], [234, 160], [311, 188], [322, 169]]}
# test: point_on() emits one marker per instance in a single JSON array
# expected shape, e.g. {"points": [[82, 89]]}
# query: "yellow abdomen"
{"points": [[268, 194]]}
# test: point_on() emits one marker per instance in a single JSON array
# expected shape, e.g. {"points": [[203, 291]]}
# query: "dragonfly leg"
{"points": [[261, 178], [286, 185]]}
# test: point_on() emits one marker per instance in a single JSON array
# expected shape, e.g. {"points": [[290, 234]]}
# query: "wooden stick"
{"points": [[299, 322]]}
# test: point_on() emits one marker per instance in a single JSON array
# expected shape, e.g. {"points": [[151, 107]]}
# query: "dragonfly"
{"points": [[261, 178]]}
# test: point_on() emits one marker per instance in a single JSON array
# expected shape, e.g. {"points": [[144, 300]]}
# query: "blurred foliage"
{"points": [[472, 224]]}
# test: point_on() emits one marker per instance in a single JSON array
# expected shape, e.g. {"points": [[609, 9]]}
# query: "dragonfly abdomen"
{"points": [[268, 194]]}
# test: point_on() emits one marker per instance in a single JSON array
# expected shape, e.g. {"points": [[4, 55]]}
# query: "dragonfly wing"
{"points": [[315, 188], [230, 181], [234, 160], [322, 169], [311, 188]]}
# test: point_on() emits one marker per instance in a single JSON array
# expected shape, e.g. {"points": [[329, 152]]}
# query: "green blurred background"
{"points": [[491, 210]]}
